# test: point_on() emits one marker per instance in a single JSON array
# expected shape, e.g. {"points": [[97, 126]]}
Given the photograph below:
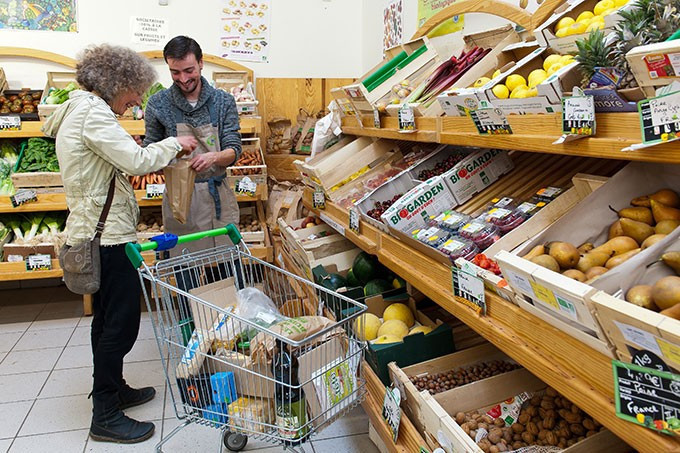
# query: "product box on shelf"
{"points": [[17, 252], [439, 162], [42, 181], [344, 102], [395, 187], [655, 65], [56, 80], [250, 164], [478, 171], [496, 40], [629, 327], [404, 66], [546, 33], [237, 83]]}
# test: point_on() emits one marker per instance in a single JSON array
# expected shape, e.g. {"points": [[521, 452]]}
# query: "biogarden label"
{"points": [[476, 173]]}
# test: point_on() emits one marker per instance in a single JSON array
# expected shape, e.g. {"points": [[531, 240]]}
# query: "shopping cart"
{"points": [[278, 370]]}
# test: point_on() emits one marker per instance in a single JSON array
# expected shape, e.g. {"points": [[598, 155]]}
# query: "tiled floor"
{"points": [[46, 374]]}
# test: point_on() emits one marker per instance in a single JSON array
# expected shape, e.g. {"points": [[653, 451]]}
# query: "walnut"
{"points": [[589, 424], [517, 428], [501, 447], [542, 434], [482, 426], [487, 419], [460, 417], [532, 411], [577, 429], [507, 434], [517, 445], [591, 433], [548, 403], [535, 400], [549, 423], [551, 392], [575, 409], [499, 422], [494, 449], [485, 445], [524, 418], [466, 427], [473, 424]]}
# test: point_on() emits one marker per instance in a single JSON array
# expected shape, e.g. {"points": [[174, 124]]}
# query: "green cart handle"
{"points": [[134, 250]]}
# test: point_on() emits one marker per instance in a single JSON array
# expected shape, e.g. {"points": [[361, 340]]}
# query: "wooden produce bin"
{"points": [[250, 164], [251, 237], [43, 248], [43, 180], [56, 80], [226, 80]]}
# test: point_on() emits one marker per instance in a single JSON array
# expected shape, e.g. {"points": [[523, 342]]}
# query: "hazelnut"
{"points": [[517, 428]]}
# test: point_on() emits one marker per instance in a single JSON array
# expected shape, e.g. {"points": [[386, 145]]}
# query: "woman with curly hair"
{"points": [[94, 151]]}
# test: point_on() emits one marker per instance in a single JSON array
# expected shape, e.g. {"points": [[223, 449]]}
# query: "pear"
{"points": [[666, 292], [665, 196], [672, 260], [673, 312], [638, 213], [585, 247], [592, 259], [666, 226], [641, 295], [575, 274], [546, 261], [617, 246], [651, 240], [536, 251], [663, 212], [565, 254], [594, 272], [622, 258], [637, 230], [615, 230]]}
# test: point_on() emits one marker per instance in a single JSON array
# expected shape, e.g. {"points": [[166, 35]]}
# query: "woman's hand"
{"points": [[188, 144], [202, 162]]}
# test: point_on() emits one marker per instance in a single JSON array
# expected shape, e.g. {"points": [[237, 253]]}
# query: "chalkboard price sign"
{"points": [[647, 397]]}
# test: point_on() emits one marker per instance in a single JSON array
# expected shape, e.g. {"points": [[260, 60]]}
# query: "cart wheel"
{"points": [[234, 441]]}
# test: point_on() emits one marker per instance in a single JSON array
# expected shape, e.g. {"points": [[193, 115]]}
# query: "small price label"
{"points": [[246, 186], [470, 289], [660, 118], [391, 411], [578, 115], [319, 199], [10, 123], [407, 119], [38, 263], [354, 220], [376, 118], [155, 191], [332, 223], [23, 196], [490, 121]]}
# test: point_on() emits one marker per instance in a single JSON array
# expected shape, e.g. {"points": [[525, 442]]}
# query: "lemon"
{"points": [[577, 28], [585, 16], [564, 23], [566, 59], [562, 32], [519, 92], [480, 82], [595, 25], [501, 91], [551, 60], [496, 73], [554, 68], [515, 80], [602, 6], [609, 11], [531, 92], [536, 77], [620, 3]]}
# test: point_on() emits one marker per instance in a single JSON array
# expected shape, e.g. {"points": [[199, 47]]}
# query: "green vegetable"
{"points": [[38, 155], [15, 224], [54, 223], [377, 286], [352, 281], [60, 96], [31, 224], [153, 89], [9, 152], [365, 267]]}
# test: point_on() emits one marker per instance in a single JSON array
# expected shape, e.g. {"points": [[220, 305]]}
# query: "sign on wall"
{"points": [[151, 31], [245, 30], [393, 25], [428, 8], [50, 15]]}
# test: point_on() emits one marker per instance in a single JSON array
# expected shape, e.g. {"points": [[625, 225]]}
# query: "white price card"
{"points": [[38, 262], [407, 119], [354, 219], [490, 121], [376, 118], [23, 196], [10, 123], [469, 288], [246, 186], [391, 411], [332, 223], [578, 115], [319, 199], [155, 190]]}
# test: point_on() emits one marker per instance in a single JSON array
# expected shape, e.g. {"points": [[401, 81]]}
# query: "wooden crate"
{"points": [[226, 80], [253, 237], [57, 80], [257, 173], [44, 248], [37, 179], [3, 81], [440, 426]]}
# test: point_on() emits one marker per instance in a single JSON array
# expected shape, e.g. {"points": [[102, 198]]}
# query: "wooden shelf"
{"points": [[577, 371], [17, 271], [534, 133]]}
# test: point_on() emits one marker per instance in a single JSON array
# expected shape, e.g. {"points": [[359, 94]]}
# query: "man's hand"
{"points": [[202, 162]]}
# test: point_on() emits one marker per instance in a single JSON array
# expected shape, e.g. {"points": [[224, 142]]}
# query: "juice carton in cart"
{"points": [[477, 172]]}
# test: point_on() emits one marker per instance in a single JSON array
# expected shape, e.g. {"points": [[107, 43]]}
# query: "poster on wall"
{"points": [[392, 23], [245, 30], [49, 15], [150, 31], [428, 8]]}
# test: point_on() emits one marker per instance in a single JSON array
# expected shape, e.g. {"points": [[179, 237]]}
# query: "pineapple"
{"points": [[592, 52]]}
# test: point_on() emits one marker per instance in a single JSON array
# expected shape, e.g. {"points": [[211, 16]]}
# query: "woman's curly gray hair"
{"points": [[112, 70]]}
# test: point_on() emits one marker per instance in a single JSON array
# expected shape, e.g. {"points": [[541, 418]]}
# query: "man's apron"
{"points": [[213, 204]]}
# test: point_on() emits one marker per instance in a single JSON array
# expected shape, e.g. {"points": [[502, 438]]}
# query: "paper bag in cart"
{"points": [[179, 184]]}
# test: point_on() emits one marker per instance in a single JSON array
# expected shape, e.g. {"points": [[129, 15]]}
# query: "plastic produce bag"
{"points": [[256, 306], [179, 183], [326, 129]]}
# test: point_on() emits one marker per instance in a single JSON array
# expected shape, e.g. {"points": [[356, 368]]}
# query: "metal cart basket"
{"points": [[249, 348]]}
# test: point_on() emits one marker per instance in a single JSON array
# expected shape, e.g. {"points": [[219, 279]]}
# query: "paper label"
{"points": [[38, 262], [332, 223], [660, 118], [544, 295], [266, 317], [490, 121], [452, 245], [473, 228], [499, 213], [155, 190], [10, 123], [319, 199], [150, 31], [527, 207], [407, 120], [470, 289], [639, 337], [23, 196], [549, 192], [354, 220], [578, 115], [670, 351], [338, 383], [567, 308], [503, 202], [662, 65], [246, 186], [376, 118], [391, 411], [522, 283]]}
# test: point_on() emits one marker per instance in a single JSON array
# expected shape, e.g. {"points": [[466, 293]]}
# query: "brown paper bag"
{"points": [[179, 183]]}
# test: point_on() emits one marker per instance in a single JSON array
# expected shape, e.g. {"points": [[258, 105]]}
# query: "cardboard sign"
{"points": [[490, 121], [578, 115], [407, 119], [354, 217], [10, 123], [660, 118], [469, 287], [391, 411], [647, 397], [155, 191], [246, 186], [38, 262], [319, 199]]}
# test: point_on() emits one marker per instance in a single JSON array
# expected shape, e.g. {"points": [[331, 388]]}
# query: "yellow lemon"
{"points": [[566, 59], [602, 6], [536, 77], [585, 16], [550, 60], [577, 28], [519, 93], [564, 23], [501, 91], [496, 73], [595, 25], [480, 82], [609, 11], [562, 32], [554, 68], [531, 92], [513, 81], [620, 3]]}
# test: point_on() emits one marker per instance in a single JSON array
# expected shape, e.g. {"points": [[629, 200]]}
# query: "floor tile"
{"points": [[12, 415], [146, 331], [30, 361], [143, 351], [74, 308], [4, 445], [75, 357], [19, 309], [39, 339], [53, 321], [359, 442], [85, 321], [191, 438], [354, 422], [142, 374], [21, 387], [80, 337], [67, 441], [70, 382], [58, 414], [8, 340], [14, 324]]}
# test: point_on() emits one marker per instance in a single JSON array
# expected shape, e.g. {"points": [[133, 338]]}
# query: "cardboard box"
{"points": [[400, 184], [481, 169], [344, 102], [655, 65], [210, 300], [252, 378], [252, 415], [226, 80], [16, 250]]}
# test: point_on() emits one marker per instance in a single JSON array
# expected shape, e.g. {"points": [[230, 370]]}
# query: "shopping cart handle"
{"points": [[134, 250]]}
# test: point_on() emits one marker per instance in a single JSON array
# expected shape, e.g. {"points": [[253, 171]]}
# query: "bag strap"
{"points": [[107, 206]]}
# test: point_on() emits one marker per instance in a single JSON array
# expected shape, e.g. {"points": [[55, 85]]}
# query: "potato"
{"points": [[517, 428], [528, 437]]}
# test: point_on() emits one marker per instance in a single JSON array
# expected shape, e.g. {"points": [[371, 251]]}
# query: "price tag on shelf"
{"points": [[23, 196], [10, 123], [246, 186], [332, 223], [38, 263], [155, 191], [470, 288], [319, 199], [490, 121], [578, 115], [660, 119], [376, 118], [354, 219], [407, 119], [391, 412]]}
